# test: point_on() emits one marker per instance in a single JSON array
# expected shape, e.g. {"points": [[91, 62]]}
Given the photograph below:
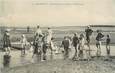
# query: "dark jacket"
{"points": [[75, 41], [65, 43], [6, 40], [99, 36]]}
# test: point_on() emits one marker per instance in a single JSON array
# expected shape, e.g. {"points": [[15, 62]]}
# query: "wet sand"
{"points": [[28, 64]]}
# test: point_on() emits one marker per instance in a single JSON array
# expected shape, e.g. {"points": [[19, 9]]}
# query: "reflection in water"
{"points": [[17, 60], [6, 60]]}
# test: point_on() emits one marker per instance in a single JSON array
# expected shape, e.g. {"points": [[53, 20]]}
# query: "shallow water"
{"points": [[17, 60]]}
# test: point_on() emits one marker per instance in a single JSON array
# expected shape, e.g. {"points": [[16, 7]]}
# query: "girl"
{"points": [[98, 42], [23, 43], [7, 42], [81, 45]]}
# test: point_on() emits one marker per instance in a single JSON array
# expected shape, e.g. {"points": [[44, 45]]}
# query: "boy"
{"points": [[88, 32], [65, 44], [75, 43]]}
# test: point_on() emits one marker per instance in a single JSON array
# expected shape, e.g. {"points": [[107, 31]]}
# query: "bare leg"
{"points": [[75, 52]]}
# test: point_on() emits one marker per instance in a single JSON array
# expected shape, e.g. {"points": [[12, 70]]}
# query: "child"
{"points": [[37, 46], [7, 42], [88, 32], [81, 45], [52, 47], [23, 43], [108, 40], [75, 43], [44, 46], [98, 42], [65, 44]]}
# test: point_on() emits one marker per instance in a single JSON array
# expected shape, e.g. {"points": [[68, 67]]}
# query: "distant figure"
{"points": [[65, 44], [75, 42], [81, 45], [98, 42], [7, 42], [108, 40], [23, 43], [28, 29], [49, 35], [88, 35]]}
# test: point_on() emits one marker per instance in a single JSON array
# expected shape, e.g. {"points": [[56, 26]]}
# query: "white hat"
{"points": [[88, 26], [38, 24], [23, 35]]}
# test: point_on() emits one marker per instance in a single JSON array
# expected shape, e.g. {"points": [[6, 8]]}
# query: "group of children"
{"points": [[44, 41], [79, 43]]}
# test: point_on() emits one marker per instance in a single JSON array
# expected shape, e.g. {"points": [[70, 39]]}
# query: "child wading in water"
{"points": [[98, 42], [23, 43], [65, 44], [108, 40], [7, 42], [75, 43], [81, 45]]}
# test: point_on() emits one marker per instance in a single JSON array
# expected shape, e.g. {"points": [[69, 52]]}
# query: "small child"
{"points": [[23, 43], [65, 44], [98, 42], [7, 42], [81, 45], [108, 40], [75, 43]]}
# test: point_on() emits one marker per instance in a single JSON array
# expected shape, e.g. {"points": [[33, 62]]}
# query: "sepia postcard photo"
{"points": [[57, 36]]}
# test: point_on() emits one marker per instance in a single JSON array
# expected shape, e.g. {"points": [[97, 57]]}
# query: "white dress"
{"points": [[38, 31], [23, 42], [49, 36]]}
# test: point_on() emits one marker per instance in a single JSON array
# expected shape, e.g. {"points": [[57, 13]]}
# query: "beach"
{"points": [[27, 64], [23, 64]]}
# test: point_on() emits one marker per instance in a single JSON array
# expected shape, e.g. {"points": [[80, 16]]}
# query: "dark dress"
{"points": [[99, 36], [88, 34], [6, 40], [108, 41], [75, 41], [65, 43], [37, 44]]}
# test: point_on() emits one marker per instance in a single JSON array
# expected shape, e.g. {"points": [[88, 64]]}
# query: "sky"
{"points": [[30, 12]]}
